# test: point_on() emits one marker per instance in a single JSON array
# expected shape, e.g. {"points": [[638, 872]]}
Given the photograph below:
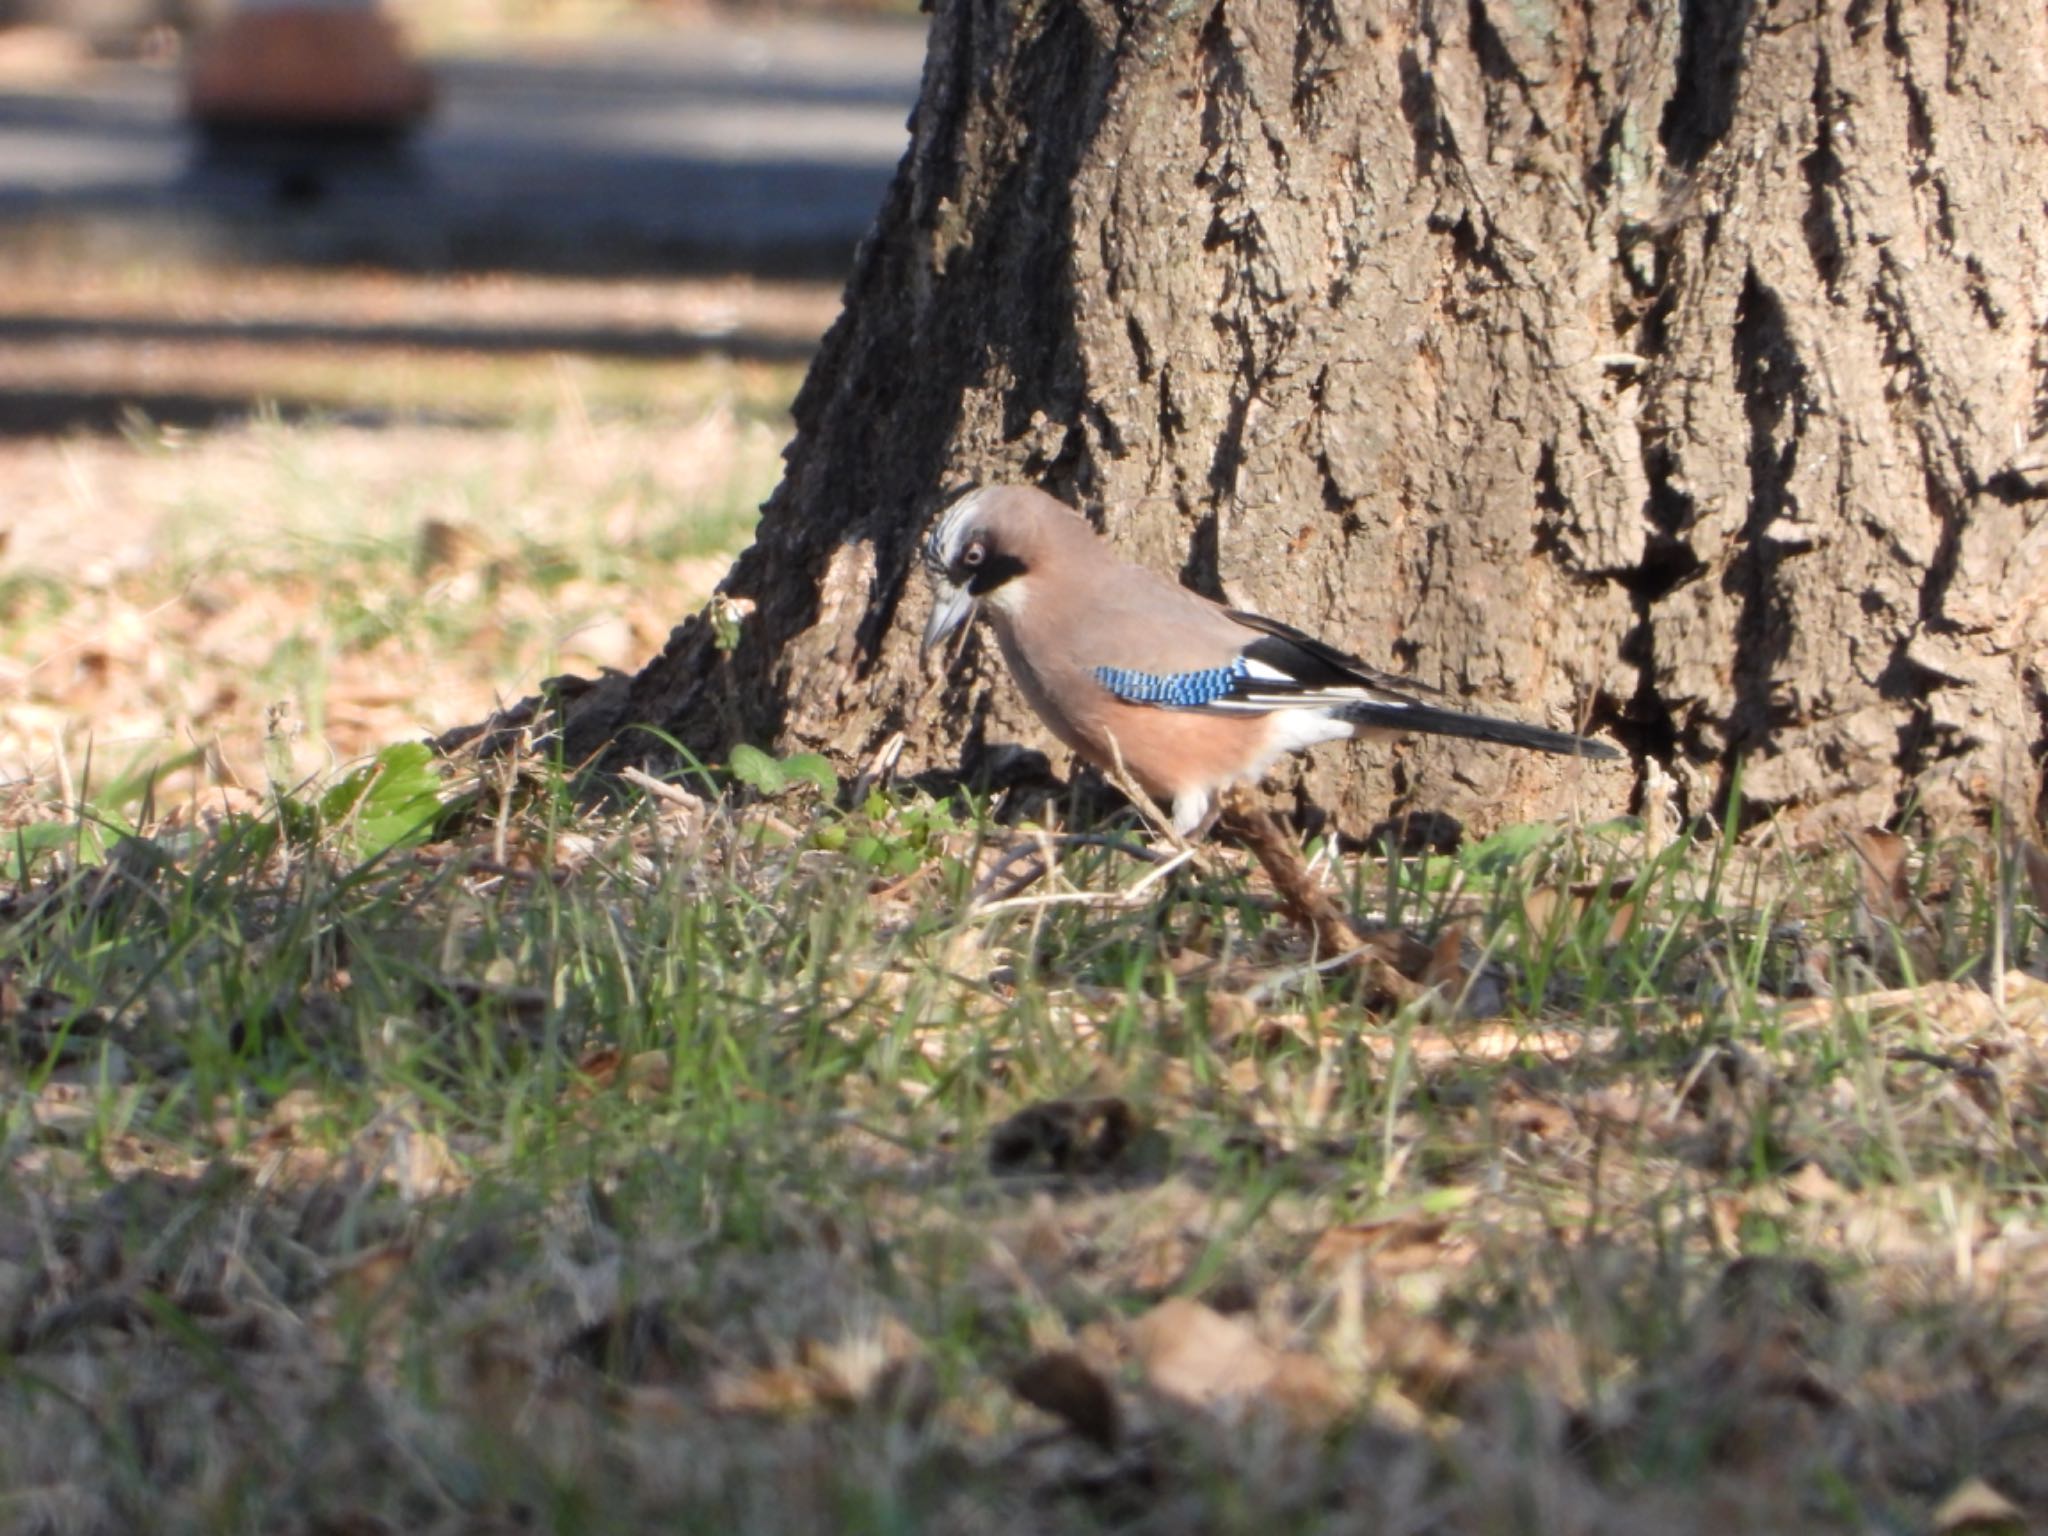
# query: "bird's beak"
{"points": [[951, 607]]}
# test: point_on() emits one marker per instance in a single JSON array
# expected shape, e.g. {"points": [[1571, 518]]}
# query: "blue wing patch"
{"points": [[1176, 690]]}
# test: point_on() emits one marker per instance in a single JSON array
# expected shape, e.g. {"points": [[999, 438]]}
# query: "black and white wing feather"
{"points": [[1281, 668]]}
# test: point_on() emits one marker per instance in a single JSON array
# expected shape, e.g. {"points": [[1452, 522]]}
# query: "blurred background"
{"points": [[360, 366]]}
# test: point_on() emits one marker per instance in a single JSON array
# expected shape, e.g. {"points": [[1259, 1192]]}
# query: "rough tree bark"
{"points": [[1674, 367]]}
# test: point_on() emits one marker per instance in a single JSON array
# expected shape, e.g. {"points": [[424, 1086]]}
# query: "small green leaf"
{"points": [[1506, 848], [756, 769], [811, 768], [389, 802], [86, 842]]}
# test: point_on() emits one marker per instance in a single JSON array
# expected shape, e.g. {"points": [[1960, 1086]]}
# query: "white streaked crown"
{"points": [[949, 536]]}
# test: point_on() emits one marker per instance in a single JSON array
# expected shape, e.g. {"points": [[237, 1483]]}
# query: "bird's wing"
{"points": [[1274, 666], [1289, 666]]}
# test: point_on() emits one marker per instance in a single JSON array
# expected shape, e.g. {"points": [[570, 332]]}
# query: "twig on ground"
{"points": [[1391, 959], [661, 789], [1134, 897], [1042, 846]]}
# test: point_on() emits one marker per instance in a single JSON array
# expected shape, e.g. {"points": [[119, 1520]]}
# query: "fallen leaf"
{"points": [[1196, 1356], [1445, 970], [598, 1067], [1881, 872], [644, 1076], [1072, 1136], [1306, 1389], [422, 1166], [1429, 1362], [1070, 1389], [1399, 1245], [369, 1298], [1978, 1509], [1516, 1109], [772, 1391], [883, 1365], [370, 1279], [649, 1075], [866, 1360], [1811, 1184], [635, 1344], [444, 547], [1543, 903]]}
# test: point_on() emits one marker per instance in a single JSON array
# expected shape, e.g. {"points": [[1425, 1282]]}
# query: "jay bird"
{"points": [[1131, 670]]}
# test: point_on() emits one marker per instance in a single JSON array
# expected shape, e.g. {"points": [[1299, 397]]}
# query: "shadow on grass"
{"points": [[35, 413], [348, 1357], [654, 343]]}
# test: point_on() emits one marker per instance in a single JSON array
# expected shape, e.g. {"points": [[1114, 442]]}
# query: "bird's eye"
{"points": [[974, 554]]}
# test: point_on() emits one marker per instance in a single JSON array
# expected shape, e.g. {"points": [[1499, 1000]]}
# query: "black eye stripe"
{"points": [[995, 569]]}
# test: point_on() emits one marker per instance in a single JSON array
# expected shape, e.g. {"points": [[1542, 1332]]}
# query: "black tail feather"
{"points": [[1430, 720]]}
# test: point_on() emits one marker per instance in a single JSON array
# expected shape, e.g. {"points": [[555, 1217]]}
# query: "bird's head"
{"points": [[983, 546]]}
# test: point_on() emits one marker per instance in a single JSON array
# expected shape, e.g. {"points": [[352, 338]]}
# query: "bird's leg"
{"points": [[1227, 803], [1147, 807]]}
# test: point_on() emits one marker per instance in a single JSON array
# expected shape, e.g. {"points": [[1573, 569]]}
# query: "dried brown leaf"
{"points": [[1399, 1245], [1515, 1108], [1976, 1508], [1881, 872], [772, 1391], [1543, 904], [1307, 1390], [1956, 1005], [1069, 1388], [863, 1362], [1069, 1136], [1811, 1184], [598, 1068], [1446, 970], [423, 1167], [1196, 1356], [1430, 1362], [370, 1279], [644, 1076]]}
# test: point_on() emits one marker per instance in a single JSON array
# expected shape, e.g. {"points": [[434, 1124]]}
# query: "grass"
{"points": [[726, 1161], [272, 574], [402, 1145]]}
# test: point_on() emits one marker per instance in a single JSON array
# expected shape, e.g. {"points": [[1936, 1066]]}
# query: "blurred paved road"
{"points": [[760, 146]]}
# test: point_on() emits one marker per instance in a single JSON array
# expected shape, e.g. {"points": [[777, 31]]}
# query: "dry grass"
{"points": [[383, 524]]}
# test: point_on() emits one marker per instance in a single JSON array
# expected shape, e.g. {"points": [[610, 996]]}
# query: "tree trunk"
{"points": [[1675, 368]]}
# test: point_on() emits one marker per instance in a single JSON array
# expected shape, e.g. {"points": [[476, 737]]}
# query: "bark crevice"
{"points": [[1773, 385], [1701, 109]]}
